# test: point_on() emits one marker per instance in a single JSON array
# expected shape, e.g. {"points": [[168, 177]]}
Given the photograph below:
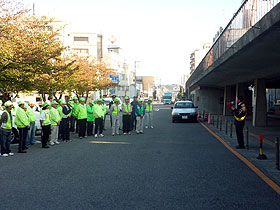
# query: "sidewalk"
{"points": [[268, 167]]}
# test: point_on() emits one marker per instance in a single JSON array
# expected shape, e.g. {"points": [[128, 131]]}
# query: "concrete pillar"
{"points": [[229, 95], [259, 107]]}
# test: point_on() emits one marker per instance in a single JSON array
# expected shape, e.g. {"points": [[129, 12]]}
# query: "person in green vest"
{"points": [[98, 114], [22, 124], [149, 114], [140, 113], [6, 130], [30, 139], [90, 118], [126, 110], [45, 121], [104, 108], [115, 112], [55, 122], [82, 118]]}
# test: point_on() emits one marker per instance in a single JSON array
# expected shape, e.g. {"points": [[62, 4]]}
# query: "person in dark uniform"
{"points": [[133, 121], [110, 104], [239, 114]]}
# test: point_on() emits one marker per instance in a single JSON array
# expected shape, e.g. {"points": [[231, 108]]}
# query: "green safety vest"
{"points": [[47, 121], [8, 124], [66, 115], [55, 117], [140, 109], [127, 108], [149, 108], [116, 109]]}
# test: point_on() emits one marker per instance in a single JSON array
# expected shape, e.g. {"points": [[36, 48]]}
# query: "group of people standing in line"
{"points": [[59, 118]]}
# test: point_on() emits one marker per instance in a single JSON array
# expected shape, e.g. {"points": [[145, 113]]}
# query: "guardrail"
{"points": [[246, 17]]}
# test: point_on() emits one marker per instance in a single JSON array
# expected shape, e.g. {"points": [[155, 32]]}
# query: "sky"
{"points": [[160, 34]]}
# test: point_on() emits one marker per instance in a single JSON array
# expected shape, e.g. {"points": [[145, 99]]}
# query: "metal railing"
{"points": [[246, 17]]}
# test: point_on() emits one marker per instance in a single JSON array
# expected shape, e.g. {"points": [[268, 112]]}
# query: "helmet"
{"points": [[82, 99], [75, 98], [126, 98], [140, 100], [45, 104], [91, 102], [149, 99], [116, 100], [20, 103], [54, 102], [25, 106], [8, 103]]}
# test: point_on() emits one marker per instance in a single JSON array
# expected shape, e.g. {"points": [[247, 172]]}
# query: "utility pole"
{"points": [[135, 68]]}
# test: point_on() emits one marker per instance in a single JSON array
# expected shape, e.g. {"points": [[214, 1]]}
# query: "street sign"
{"points": [[115, 79]]}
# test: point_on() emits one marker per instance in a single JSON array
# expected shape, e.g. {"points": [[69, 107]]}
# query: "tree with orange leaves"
{"points": [[89, 76]]}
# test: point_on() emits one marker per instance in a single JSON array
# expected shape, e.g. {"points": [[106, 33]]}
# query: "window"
{"points": [[184, 105], [81, 51], [80, 39]]}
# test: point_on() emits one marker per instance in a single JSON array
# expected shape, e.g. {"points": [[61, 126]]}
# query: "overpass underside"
{"points": [[247, 68]]}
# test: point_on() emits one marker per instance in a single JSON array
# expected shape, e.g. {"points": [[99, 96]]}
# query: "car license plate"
{"points": [[184, 117]]}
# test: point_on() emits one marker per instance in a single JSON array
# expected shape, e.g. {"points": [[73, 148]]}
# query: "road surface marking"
{"points": [[107, 142], [271, 183]]}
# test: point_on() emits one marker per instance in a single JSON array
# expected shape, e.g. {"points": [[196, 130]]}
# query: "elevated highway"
{"points": [[244, 60]]}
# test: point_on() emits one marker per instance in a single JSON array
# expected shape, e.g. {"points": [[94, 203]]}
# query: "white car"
{"points": [[184, 110]]}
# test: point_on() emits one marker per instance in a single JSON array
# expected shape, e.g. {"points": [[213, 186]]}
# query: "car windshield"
{"points": [[184, 105]]}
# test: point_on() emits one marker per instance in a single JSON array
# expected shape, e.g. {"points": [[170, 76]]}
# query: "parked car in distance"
{"points": [[184, 110]]}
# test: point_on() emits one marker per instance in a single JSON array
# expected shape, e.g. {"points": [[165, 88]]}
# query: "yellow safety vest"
{"points": [[149, 108], [116, 109], [8, 124], [47, 121], [127, 108]]}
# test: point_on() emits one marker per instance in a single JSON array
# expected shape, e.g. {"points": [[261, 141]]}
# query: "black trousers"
{"points": [[98, 125], [77, 125], [65, 130], [72, 124], [22, 139], [133, 122], [46, 131], [126, 123], [90, 128], [82, 127], [239, 126]]}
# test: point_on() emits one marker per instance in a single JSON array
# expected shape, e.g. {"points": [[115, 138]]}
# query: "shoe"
{"points": [[95, 135], [85, 136], [146, 126], [81, 137], [240, 147], [137, 132], [118, 134], [101, 135], [11, 154], [37, 142], [45, 147], [25, 147], [23, 151], [124, 133], [152, 126], [129, 133], [57, 142], [51, 143], [113, 134], [5, 155], [141, 132]]}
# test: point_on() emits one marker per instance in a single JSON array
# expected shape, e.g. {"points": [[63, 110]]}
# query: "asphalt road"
{"points": [[173, 166]]}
